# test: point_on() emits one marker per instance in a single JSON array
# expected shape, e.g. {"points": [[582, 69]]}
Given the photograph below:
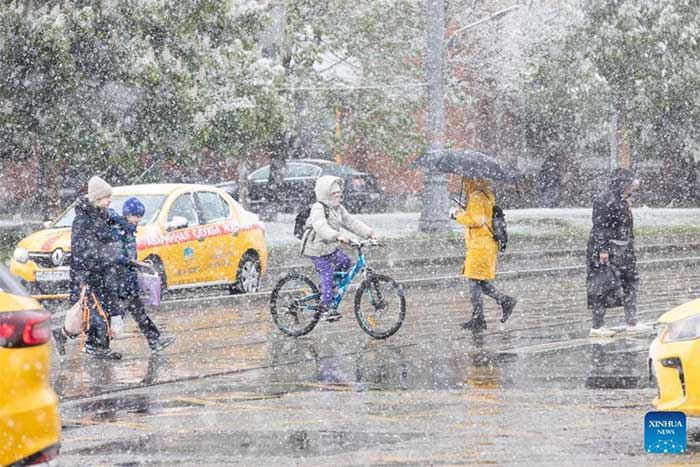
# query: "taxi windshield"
{"points": [[152, 203]]}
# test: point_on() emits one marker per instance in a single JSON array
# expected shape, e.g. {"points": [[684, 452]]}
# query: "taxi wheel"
{"points": [[248, 277]]}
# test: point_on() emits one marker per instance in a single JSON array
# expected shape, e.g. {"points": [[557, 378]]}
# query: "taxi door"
{"points": [[220, 231], [183, 253]]}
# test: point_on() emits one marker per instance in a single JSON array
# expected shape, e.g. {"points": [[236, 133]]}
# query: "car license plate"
{"points": [[56, 275]]}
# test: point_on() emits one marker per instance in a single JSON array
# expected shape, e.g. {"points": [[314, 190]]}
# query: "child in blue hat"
{"points": [[125, 277]]}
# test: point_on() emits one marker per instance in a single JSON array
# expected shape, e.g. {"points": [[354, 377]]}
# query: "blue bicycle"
{"points": [[380, 306]]}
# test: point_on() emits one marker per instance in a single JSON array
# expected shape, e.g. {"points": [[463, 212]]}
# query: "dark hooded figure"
{"points": [[612, 278]]}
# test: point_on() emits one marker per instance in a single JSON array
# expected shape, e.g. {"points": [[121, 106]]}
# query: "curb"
{"points": [[262, 297]]}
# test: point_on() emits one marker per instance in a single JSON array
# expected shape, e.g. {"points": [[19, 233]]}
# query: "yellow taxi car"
{"points": [[30, 428], [674, 359], [194, 235]]}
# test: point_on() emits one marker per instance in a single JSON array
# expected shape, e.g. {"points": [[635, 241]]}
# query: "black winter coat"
{"points": [[122, 278], [612, 220], [92, 249]]}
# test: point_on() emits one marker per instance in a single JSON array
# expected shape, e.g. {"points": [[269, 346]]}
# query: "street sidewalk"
{"points": [[538, 237], [569, 224]]}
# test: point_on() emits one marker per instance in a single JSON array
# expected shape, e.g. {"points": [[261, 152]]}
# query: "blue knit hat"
{"points": [[133, 207]]}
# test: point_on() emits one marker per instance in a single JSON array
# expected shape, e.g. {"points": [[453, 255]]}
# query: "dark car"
{"points": [[361, 191]]}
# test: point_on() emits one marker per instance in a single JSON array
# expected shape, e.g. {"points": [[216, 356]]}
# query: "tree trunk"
{"points": [[47, 191], [624, 156]]}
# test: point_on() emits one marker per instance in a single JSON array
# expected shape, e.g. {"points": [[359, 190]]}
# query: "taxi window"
{"points": [[213, 207], [184, 207], [152, 203]]}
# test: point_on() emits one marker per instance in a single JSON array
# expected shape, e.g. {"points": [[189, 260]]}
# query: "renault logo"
{"points": [[57, 257]]}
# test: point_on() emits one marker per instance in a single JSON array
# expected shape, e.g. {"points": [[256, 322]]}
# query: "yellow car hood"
{"points": [[681, 312], [47, 240]]}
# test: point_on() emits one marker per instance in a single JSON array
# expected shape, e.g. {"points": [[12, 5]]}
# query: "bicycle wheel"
{"points": [[294, 305], [380, 306]]}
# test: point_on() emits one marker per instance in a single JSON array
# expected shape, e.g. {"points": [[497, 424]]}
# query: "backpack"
{"points": [[498, 220], [301, 218]]}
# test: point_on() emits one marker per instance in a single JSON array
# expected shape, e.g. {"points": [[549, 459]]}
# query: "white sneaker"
{"points": [[638, 329], [601, 332]]}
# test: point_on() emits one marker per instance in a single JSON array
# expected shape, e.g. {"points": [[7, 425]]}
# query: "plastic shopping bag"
{"points": [[116, 324], [149, 287], [74, 321]]}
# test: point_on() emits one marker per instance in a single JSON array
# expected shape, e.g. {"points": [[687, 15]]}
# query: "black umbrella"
{"points": [[467, 163]]}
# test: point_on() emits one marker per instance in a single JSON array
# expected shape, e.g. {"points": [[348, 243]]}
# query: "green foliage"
{"points": [[641, 57], [98, 84], [358, 58]]}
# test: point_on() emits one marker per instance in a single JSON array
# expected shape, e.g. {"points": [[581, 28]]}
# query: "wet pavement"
{"points": [[233, 390]]}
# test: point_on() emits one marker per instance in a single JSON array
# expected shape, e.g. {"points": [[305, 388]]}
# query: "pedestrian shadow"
{"points": [[381, 367], [487, 367], [155, 363]]}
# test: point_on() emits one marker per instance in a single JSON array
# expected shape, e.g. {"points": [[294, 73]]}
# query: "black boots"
{"points": [[161, 343], [104, 353], [508, 304], [60, 338]]}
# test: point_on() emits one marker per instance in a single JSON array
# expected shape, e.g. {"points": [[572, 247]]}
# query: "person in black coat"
{"points": [[612, 278], [93, 253]]}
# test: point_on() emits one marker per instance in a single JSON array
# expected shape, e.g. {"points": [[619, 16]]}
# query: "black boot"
{"points": [[104, 353], [477, 323], [508, 305], [60, 338], [161, 343]]}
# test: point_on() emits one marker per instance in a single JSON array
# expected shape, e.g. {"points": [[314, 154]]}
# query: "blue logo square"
{"points": [[665, 432]]}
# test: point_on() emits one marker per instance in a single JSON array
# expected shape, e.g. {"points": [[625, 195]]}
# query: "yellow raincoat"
{"points": [[480, 262]]}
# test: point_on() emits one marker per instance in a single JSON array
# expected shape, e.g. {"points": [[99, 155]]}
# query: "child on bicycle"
{"points": [[322, 238]]}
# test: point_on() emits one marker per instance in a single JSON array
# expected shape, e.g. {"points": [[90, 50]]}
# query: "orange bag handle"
{"points": [[103, 314], [87, 319]]}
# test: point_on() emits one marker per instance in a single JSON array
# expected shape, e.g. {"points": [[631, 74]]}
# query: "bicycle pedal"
{"points": [[331, 316]]}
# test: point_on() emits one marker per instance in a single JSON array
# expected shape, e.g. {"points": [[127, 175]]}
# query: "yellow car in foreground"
{"points": [[30, 428], [195, 235], [674, 359]]}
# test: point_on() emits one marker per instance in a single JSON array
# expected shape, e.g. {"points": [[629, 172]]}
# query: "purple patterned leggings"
{"points": [[326, 266]]}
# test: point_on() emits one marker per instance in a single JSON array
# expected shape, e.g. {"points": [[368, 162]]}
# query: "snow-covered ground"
{"points": [[526, 222]]}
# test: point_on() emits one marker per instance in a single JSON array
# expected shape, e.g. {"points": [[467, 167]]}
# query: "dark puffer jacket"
{"points": [[612, 232], [122, 278], [612, 217], [92, 249]]}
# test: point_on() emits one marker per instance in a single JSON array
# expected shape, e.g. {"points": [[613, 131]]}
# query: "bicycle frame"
{"points": [[370, 310], [359, 265]]}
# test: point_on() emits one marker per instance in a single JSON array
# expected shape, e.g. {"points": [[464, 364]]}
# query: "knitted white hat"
{"points": [[98, 188]]}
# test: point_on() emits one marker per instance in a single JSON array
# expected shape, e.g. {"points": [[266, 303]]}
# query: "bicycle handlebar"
{"points": [[364, 243]]}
